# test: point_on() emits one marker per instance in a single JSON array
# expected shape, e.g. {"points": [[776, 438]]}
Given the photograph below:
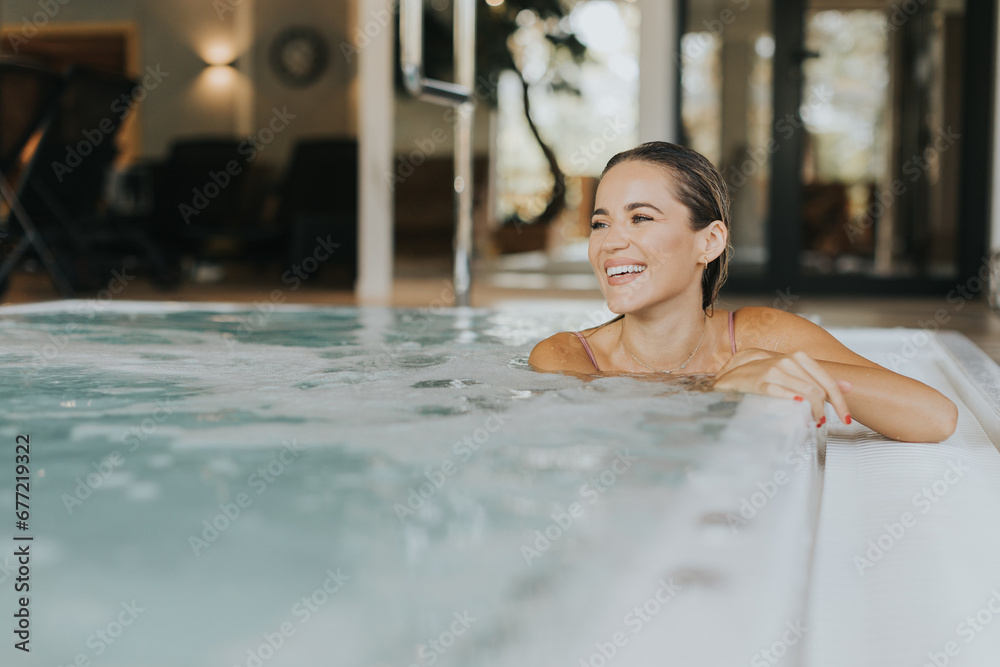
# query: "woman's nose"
{"points": [[615, 238]]}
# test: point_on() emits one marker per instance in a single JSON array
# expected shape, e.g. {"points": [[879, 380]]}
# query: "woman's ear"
{"points": [[716, 236]]}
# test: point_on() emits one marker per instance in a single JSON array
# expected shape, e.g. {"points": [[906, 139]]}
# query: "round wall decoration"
{"points": [[298, 55]]}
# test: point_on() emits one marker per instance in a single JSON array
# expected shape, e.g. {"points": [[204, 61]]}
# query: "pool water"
{"points": [[213, 484]]}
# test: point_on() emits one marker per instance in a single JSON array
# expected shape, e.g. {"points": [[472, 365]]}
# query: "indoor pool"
{"points": [[218, 484]]}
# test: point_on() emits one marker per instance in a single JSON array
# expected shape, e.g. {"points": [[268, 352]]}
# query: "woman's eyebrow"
{"points": [[630, 207], [640, 204]]}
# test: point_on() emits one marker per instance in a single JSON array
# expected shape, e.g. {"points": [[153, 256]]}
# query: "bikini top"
{"points": [[732, 340]]}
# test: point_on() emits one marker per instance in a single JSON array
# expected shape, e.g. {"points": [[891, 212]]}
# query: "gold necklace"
{"points": [[674, 369]]}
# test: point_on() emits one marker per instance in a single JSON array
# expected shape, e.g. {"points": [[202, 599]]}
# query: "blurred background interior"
{"points": [[247, 150]]}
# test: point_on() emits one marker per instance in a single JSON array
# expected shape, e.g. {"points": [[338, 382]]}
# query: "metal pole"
{"points": [[458, 95]]}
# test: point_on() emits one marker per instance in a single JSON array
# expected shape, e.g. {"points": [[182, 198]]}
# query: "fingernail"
{"points": [[847, 418], [798, 398], [822, 420]]}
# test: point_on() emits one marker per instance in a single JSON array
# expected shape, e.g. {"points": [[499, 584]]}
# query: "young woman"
{"points": [[659, 244]]}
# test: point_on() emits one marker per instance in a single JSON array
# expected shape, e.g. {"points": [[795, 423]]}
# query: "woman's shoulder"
{"points": [[764, 326], [781, 331], [561, 352], [761, 315], [773, 319]]}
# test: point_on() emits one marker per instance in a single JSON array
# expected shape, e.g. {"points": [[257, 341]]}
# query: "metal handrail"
{"points": [[459, 95]]}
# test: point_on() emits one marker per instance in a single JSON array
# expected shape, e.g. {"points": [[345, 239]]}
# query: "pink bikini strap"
{"points": [[587, 348], [732, 331]]}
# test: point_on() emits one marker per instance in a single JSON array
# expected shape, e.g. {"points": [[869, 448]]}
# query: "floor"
{"points": [[427, 283]]}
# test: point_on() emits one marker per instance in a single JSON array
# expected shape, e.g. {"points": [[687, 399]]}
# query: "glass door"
{"points": [[726, 83], [881, 111], [840, 128]]}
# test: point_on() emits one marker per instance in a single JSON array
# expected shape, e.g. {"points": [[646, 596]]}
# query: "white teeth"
{"points": [[625, 268]]}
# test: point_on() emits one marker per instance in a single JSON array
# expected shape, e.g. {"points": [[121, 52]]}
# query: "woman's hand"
{"points": [[796, 376]]}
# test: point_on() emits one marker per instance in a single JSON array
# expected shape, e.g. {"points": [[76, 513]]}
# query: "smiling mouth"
{"points": [[625, 269]]}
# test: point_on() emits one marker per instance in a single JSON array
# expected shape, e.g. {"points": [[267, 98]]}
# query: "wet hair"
{"points": [[699, 186]]}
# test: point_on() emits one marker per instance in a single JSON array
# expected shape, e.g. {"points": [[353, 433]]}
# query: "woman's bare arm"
{"points": [[896, 406]]}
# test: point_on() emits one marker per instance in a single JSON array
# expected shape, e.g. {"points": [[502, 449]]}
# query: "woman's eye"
{"points": [[638, 217]]}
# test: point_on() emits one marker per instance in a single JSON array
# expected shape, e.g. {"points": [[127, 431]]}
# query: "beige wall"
{"points": [[326, 107]]}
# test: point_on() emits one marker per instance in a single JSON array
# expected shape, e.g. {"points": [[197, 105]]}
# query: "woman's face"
{"points": [[638, 224]]}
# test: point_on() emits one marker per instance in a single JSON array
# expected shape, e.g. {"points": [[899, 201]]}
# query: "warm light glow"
{"points": [[219, 90], [220, 76], [494, 3], [218, 53]]}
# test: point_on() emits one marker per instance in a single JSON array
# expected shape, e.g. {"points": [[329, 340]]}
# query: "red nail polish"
{"points": [[847, 418], [798, 398], [822, 420]]}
